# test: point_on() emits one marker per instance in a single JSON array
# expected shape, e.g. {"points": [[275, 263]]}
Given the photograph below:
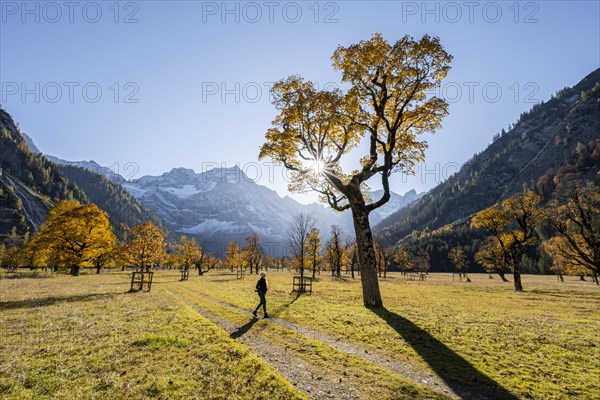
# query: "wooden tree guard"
{"points": [[185, 274], [141, 280], [302, 284]]}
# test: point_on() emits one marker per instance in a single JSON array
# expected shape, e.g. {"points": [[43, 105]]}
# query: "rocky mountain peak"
{"points": [[231, 175], [180, 176]]}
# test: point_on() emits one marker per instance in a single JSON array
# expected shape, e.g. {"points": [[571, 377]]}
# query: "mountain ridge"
{"points": [[541, 141], [179, 197], [31, 184], [223, 204]]}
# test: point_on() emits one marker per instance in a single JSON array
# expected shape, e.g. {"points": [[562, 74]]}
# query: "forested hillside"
{"points": [[110, 196], [30, 185], [29, 182], [540, 143]]}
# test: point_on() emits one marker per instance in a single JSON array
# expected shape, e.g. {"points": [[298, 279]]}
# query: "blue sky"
{"points": [[160, 84]]}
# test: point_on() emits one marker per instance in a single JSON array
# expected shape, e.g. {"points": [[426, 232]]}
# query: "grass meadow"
{"points": [[86, 337]]}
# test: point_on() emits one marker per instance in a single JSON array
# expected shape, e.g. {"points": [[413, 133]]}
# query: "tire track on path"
{"points": [[407, 371], [311, 381]]}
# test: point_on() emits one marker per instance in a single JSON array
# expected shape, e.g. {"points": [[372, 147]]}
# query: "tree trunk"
{"points": [[582, 278], [98, 267], [517, 279], [501, 274], [560, 276], [366, 257], [75, 270]]}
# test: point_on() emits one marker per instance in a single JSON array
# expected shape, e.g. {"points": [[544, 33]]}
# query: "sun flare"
{"points": [[318, 167]]}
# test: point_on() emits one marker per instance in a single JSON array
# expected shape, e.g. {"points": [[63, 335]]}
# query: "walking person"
{"points": [[261, 289]]}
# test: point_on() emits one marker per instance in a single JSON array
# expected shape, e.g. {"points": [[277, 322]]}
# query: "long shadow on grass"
{"points": [[47, 301], [286, 305], [242, 330], [458, 373]]}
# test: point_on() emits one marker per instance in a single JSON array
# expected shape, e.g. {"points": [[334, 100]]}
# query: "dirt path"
{"points": [[405, 370], [314, 383]]}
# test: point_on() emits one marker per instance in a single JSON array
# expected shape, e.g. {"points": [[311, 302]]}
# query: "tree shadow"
{"points": [[242, 330], [284, 306], [459, 374], [47, 301]]}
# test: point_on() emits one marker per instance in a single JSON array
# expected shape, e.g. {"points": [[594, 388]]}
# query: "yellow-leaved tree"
{"points": [[74, 235], [574, 214], [387, 105], [189, 252], [146, 246], [233, 256], [559, 249], [405, 260], [459, 260], [491, 257], [512, 227], [252, 253]]}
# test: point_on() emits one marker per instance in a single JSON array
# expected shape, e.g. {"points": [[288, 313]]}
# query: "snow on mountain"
{"points": [[223, 204], [209, 226], [217, 205]]}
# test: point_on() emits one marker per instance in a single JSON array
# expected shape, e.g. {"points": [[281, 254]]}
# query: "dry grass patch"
{"points": [[84, 337], [542, 343]]}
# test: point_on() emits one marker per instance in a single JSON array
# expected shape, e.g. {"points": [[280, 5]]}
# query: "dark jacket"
{"points": [[261, 285]]}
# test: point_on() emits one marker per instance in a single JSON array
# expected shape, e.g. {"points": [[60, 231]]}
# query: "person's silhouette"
{"points": [[261, 289]]}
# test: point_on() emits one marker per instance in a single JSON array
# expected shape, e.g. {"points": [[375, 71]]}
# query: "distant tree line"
{"points": [[521, 234]]}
